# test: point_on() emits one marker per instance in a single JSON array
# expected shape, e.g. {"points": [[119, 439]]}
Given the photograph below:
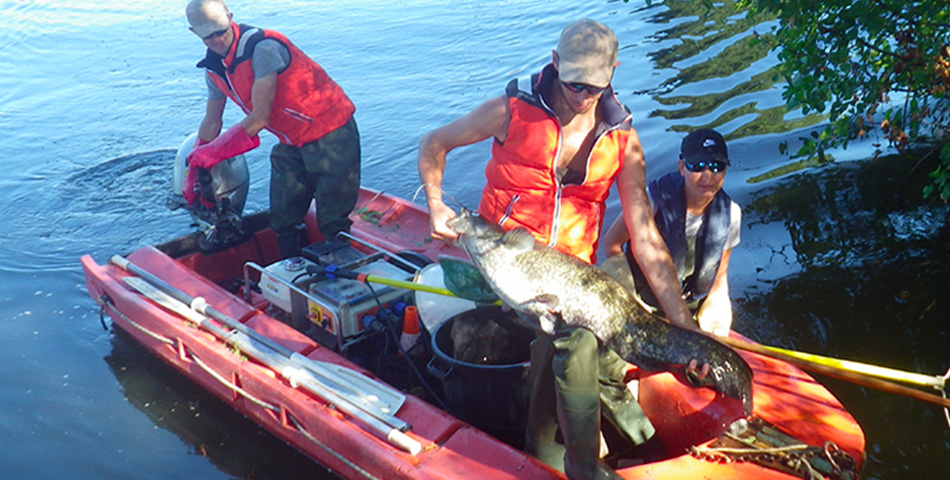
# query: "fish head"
{"points": [[482, 239], [729, 375], [475, 233], [464, 222], [472, 224]]}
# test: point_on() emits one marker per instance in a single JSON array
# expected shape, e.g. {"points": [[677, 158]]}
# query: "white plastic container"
{"points": [[434, 309]]}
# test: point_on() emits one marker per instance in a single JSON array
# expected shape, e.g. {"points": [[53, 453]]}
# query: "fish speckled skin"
{"points": [[546, 286]]}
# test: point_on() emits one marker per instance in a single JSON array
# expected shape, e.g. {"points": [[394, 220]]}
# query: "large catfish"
{"points": [[546, 286]]}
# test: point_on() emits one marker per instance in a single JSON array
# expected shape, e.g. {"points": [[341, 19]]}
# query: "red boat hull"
{"points": [[684, 416]]}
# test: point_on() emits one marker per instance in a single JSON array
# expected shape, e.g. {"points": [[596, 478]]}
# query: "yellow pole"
{"points": [[392, 282], [866, 369], [839, 373]]}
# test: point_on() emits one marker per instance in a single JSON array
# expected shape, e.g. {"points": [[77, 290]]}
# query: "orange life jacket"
{"points": [[308, 104], [523, 189]]}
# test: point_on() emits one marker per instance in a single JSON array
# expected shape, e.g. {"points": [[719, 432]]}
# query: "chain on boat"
{"points": [[759, 442], [105, 303]]}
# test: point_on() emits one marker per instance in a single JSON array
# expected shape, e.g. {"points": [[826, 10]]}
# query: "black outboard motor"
{"points": [[227, 184]]}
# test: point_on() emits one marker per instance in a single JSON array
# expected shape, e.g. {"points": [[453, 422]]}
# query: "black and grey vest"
{"points": [[669, 201]]}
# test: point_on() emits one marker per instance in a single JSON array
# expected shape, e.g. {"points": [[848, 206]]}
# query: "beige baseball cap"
{"points": [[587, 52], [207, 16]]}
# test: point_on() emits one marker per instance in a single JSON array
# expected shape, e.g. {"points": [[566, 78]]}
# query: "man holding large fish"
{"points": [[561, 139]]}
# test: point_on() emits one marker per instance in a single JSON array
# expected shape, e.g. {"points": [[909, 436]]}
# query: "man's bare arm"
{"points": [[489, 119], [646, 243]]}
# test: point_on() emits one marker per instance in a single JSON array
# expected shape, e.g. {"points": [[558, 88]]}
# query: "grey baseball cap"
{"points": [[587, 53]]}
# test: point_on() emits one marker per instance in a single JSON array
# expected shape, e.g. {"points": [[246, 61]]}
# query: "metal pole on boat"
{"points": [[858, 378], [913, 378], [288, 366], [392, 282], [395, 257]]}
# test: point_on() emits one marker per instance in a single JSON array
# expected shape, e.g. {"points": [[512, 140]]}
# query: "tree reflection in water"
{"points": [[723, 56], [872, 259]]}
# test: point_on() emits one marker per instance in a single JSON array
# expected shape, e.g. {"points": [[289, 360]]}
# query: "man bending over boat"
{"points": [[561, 139], [700, 225], [281, 89]]}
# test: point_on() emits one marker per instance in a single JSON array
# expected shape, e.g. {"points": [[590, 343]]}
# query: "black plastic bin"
{"points": [[481, 357]]}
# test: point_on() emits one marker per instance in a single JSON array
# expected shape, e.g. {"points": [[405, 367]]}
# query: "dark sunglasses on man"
{"points": [[578, 87], [216, 35], [714, 166]]}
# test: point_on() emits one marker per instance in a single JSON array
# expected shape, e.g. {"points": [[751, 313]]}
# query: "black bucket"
{"points": [[481, 356]]}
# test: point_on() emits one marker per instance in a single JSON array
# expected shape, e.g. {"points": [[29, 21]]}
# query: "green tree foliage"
{"points": [[874, 64]]}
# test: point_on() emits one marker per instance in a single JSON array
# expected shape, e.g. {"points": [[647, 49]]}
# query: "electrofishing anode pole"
{"points": [[334, 271], [839, 373]]}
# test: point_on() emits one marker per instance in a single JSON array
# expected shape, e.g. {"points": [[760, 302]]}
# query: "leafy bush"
{"points": [[878, 64]]}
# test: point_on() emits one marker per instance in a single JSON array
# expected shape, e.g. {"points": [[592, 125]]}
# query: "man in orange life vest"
{"points": [[560, 140], [281, 89]]}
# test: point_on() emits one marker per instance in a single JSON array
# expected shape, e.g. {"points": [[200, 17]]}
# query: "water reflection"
{"points": [[723, 64], [873, 258], [868, 212], [211, 429]]}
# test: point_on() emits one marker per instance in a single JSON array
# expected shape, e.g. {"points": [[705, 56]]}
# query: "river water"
{"points": [[842, 259]]}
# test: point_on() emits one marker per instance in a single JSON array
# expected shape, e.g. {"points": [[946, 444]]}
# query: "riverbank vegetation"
{"points": [[872, 66], [878, 69]]}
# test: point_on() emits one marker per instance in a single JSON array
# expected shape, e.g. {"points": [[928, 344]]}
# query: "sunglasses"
{"points": [[215, 35], [714, 166], [578, 87]]}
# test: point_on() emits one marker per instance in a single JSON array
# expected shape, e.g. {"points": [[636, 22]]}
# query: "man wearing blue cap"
{"points": [[700, 225]]}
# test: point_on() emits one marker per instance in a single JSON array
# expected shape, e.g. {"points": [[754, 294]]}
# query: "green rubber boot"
{"points": [[291, 241], [541, 435], [575, 365], [622, 410]]}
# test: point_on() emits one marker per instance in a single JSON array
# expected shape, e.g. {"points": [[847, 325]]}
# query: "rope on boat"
{"points": [[329, 450], [217, 376], [273, 356], [106, 303], [274, 408], [102, 310]]}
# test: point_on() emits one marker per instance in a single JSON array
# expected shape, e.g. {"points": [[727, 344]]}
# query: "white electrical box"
{"points": [[276, 277], [328, 308], [338, 305]]}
